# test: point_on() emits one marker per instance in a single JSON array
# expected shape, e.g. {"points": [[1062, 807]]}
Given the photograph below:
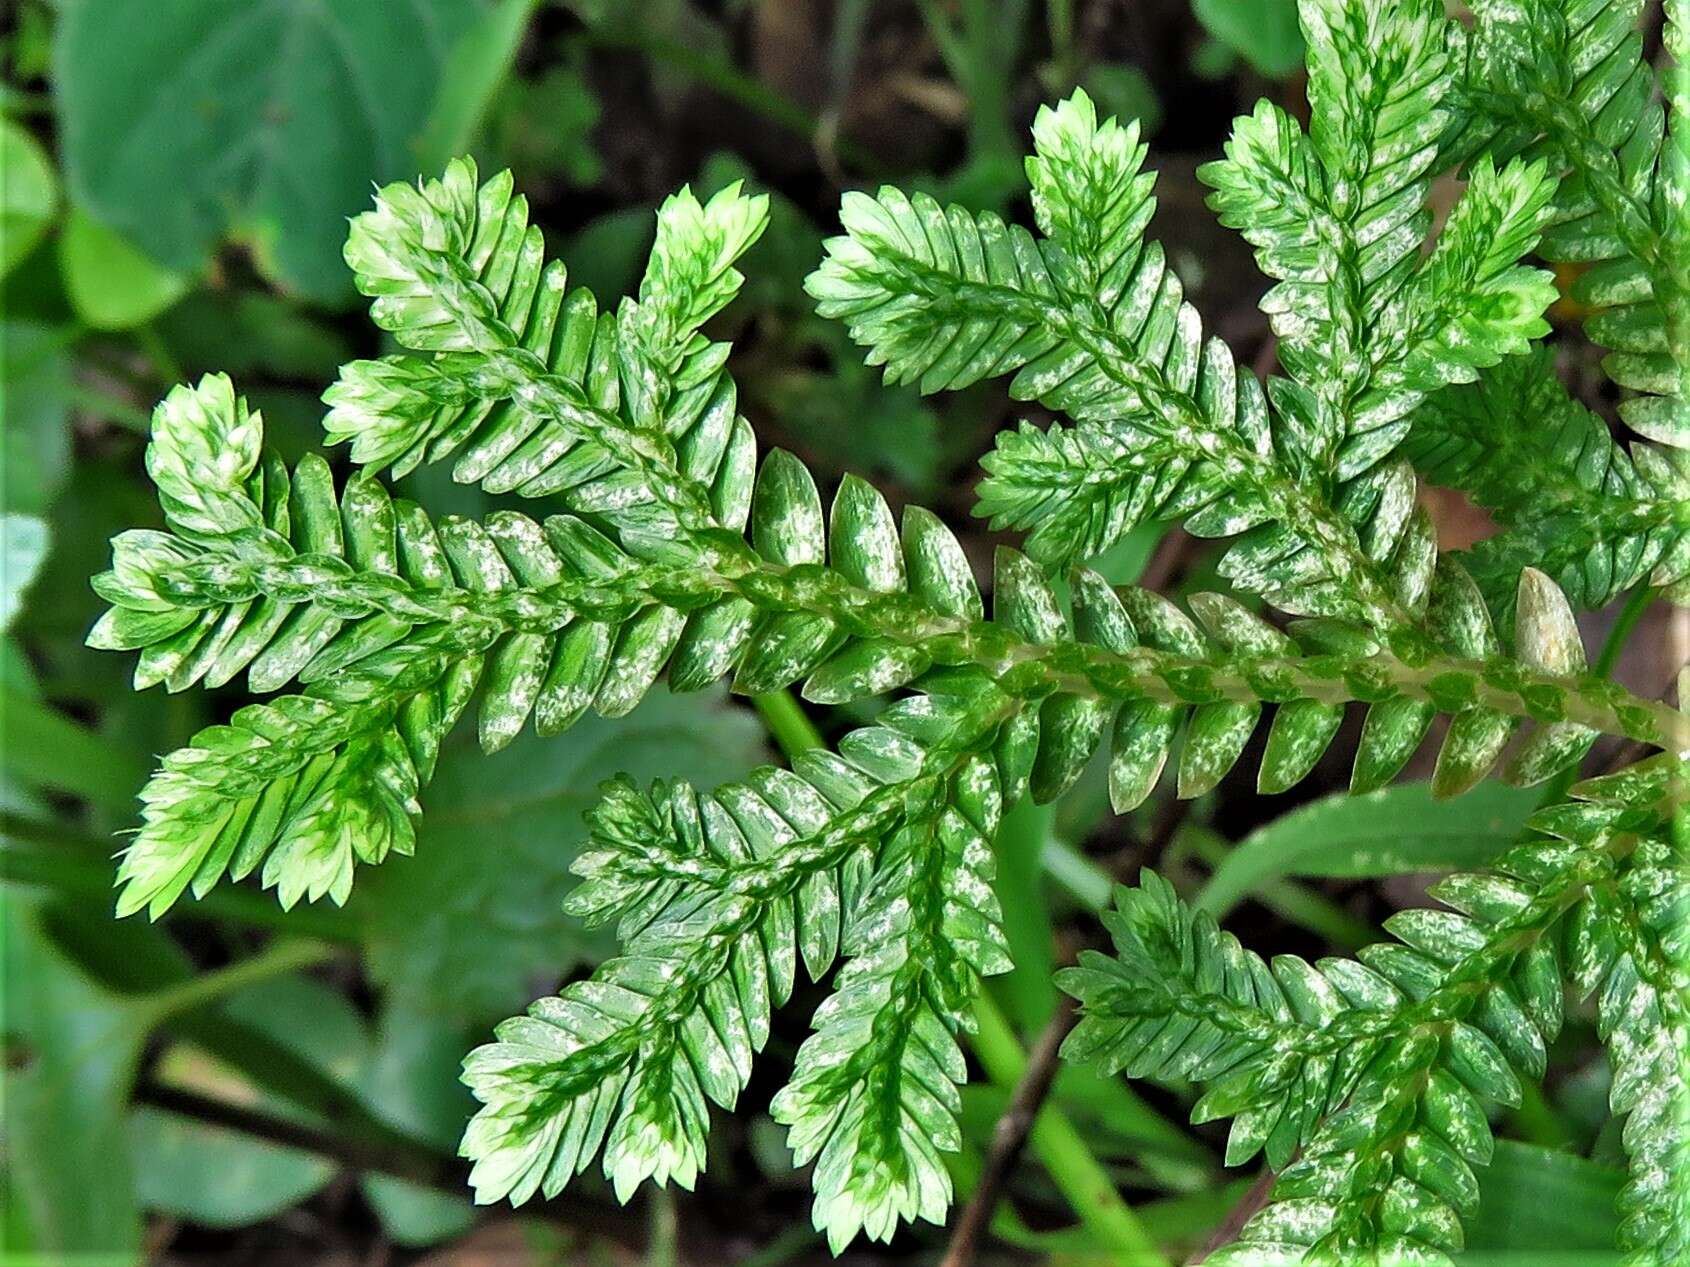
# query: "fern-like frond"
{"points": [[1165, 424], [1568, 79], [1378, 1070], [533, 389], [303, 785], [1569, 499], [338, 592], [881, 851], [1339, 216]]}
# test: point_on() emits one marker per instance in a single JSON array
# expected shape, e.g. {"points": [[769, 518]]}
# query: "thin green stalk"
{"points": [[1613, 646], [1076, 1172], [275, 960], [165, 365], [789, 725], [1620, 634], [110, 407], [1059, 18], [1086, 882]]}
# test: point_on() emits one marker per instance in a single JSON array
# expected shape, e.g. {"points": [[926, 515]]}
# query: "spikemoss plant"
{"points": [[670, 547]]}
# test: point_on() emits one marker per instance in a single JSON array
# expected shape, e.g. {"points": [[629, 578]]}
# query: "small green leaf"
{"points": [[1389, 736], [29, 193], [111, 284], [1393, 831]]}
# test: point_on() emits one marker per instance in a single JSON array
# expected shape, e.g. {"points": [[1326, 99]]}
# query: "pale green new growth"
{"points": [[672, 549]]}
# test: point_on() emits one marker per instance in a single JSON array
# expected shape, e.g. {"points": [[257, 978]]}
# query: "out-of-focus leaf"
{"points": [[180, 122], [34, 416], [479, 62], [1124, 91], [1392, 831], [543, 128], [71, 1054], [221, 1177], [1263, 32], [250, 331], [29, 193], [607, 254], [215, 1175], [1538, 1202], [473, 926], [44, 748], [23, 547], [112, 285], [412, 1083]]}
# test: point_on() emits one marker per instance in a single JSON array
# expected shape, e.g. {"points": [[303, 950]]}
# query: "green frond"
{"points": [[334, 591], [532, 389], [1165, 424], [1376, 1072], [681, 553], [1338, 217], [306, 785], [1569, 500], [1567, 79], [882, 851]]}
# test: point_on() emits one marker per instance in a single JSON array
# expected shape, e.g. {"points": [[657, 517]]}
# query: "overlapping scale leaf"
{"points": [[303, 787], [1338, 216], [1377, 1072]]}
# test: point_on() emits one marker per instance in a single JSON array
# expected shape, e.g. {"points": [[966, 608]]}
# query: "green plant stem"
{"points": [[789, 725], [1059, 18], [110, 407], [277, 959], [1613, 646], [1076, 1172], [165, 365], [1620, 634]]}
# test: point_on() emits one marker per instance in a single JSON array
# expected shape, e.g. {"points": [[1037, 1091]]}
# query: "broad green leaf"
{"points": [[35, 392], [412, 1082], [1536, 1201], [216, 1175], [251, 331], [111, 284], [72, 1051], [29, 193], [478, 64], [45, 748], [1264, 32], [185, 122], [1389, 832], [466, 927]]}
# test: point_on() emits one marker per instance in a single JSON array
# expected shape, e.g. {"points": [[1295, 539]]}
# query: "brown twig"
{"points": [[1242, 1213], [1009, 1137]]}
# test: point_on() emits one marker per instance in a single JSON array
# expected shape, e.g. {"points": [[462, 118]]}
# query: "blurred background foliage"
{"points": [[240, 1086]]}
